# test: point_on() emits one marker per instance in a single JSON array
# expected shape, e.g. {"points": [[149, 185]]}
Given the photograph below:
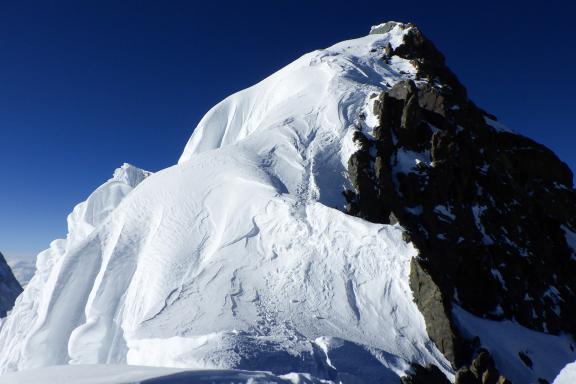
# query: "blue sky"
{"points": [[88, 85]]}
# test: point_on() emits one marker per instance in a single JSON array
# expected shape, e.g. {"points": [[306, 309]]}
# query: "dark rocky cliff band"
{"points": [[488, 213]]}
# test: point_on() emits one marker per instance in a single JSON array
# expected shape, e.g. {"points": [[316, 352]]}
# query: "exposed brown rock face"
{"points": [[491, 212], [433, 305]]}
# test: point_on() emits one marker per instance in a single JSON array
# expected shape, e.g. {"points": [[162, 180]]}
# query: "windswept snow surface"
{"points": [[237, 257], [129, 374], [208, 265], [63, 278], [87, 374]]}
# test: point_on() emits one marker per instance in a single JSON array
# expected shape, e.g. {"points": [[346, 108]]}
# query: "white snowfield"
{"points": [[238, 257], [131, 374], [567, 375]]}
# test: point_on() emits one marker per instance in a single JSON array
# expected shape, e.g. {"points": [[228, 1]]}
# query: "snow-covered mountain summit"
{"points": [[228, 259], [246, 254]]}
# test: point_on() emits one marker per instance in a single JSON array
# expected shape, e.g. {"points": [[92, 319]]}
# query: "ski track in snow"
{"points": [[236, 258]]}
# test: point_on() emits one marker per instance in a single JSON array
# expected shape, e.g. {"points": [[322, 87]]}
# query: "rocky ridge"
{"points": [[490, 211]]}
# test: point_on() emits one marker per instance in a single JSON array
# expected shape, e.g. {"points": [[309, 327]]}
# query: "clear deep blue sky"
{"points": [[88, 85]]}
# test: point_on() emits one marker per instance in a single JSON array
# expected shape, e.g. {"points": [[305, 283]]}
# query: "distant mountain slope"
{"points": [[9, 287], [247, 254], [23, 270]]}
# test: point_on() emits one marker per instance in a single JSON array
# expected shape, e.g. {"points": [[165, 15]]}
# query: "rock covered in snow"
{"points": [[492, 213], [386, 27]]}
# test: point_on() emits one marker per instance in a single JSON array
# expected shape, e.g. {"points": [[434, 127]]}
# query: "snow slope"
{"points": [[125, 374], [57, 266], [232, 259], [237, 257], [186, 274], [567, 375], [86, 374]]}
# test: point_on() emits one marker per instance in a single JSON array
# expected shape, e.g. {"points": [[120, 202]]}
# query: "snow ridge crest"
{"points": [[130, 175]]}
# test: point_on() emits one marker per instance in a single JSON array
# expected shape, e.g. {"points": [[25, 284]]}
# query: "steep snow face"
{"points": [[55, 267], [235, 258], [301, 115], [209, 265]]}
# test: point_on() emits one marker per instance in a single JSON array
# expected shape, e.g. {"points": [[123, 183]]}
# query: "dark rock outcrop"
{"points": [[435, 309], [525, 359], [482, 370], [465, 376], [492, 213], [429, 374]]}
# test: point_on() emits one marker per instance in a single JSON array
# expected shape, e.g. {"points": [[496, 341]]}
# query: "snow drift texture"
{"points": [[235, 257], [238, 257]]}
